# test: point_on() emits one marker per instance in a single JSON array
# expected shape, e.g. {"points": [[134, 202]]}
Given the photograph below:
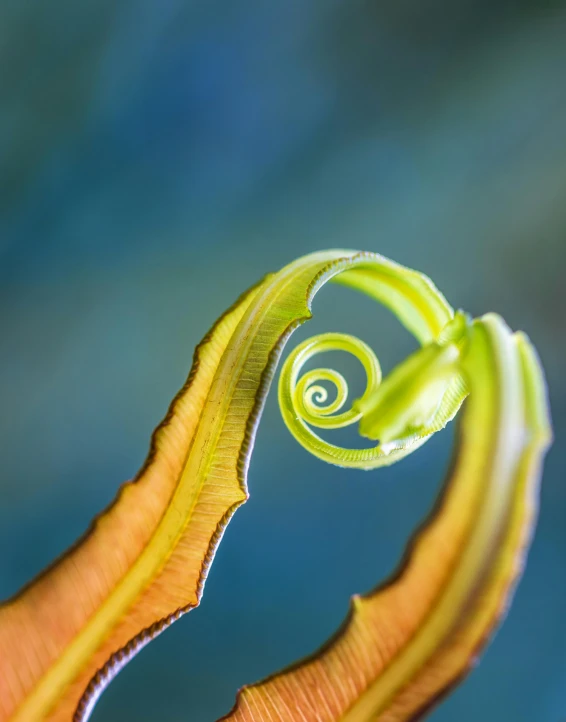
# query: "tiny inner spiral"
{"points": [[309, 398], [316, 394]]}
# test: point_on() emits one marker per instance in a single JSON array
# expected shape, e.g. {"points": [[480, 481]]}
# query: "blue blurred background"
{"points": [[156, 158]]}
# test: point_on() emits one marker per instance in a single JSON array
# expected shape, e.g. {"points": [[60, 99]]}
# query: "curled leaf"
{"points": [[405, 644], [144, 561]]}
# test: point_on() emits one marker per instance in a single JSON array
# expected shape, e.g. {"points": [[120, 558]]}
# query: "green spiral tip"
{"points": [[419, 397]]}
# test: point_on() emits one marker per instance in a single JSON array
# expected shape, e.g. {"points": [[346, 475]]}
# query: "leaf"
{"points": [[57, 632], [144, 561], [407, 643]]}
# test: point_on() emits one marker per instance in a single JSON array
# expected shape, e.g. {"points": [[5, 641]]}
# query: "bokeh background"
{"points": [[156, 158]]}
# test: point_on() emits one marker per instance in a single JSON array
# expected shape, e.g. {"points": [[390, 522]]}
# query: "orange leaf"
{"points": [[405, 644], [144, 561], [41, 625]]}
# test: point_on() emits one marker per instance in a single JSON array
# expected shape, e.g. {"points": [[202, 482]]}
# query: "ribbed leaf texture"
{"points": [[143, 562]]}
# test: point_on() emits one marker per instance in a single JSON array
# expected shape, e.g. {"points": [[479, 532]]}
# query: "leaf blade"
{"points": [[176, 511], [144, 561], [44, 618], [405, 644]]}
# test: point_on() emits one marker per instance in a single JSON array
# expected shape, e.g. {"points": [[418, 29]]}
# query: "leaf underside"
{"points": [[144, 560]]}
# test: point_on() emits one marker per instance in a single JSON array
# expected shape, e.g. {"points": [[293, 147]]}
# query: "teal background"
{"points": [[157, 157]]}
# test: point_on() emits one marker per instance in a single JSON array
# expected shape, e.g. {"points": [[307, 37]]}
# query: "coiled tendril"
{"points": [[310, 397], [418, 398]]}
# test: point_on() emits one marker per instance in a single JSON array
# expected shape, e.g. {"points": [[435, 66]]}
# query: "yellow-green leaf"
{"points": [[128, 575], [144, 561], [405, 644]]}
